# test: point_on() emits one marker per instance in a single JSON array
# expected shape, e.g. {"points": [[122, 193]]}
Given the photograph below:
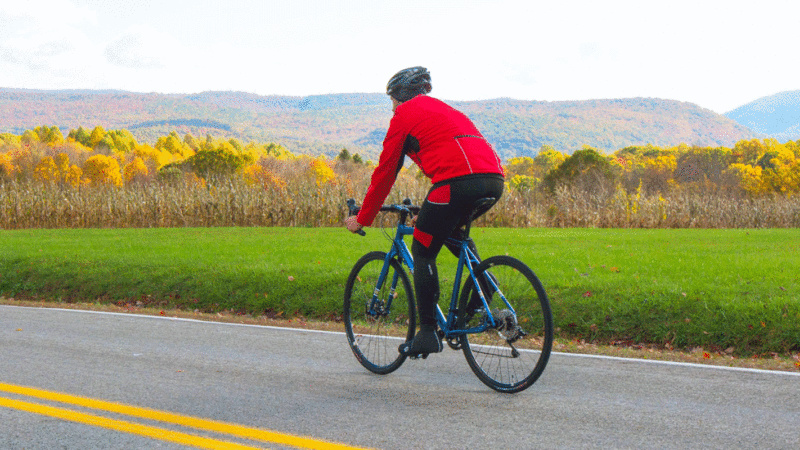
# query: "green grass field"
{"points": [[681, 288]]}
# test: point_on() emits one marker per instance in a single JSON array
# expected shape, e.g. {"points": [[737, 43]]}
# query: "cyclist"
{"points": [[463, 168]]}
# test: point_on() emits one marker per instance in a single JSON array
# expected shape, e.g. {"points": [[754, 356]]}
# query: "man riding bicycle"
{"points": [[463, 168]]}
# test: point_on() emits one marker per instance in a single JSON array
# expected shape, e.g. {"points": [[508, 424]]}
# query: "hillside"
{"points": [[326, 123], [776, 115]]}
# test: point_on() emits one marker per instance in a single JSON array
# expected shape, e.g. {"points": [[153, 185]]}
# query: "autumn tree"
{"points": [[49, 135], [46, 170], [699, 164], [8, 139], [747, 178], [153, 158], [276, 151], [74, 176], [135, 170], [192, 142], [321, 171], [585, 169], [122, 140], [97, 135], [80, 136], [102, 170], [7, 169], [223, 160], [29, 138], [546, 160], [173, 144]]}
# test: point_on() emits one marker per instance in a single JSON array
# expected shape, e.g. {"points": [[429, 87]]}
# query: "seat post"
{"points": [[479, 207]]}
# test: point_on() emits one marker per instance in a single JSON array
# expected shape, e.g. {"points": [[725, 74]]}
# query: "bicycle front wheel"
{"points": [[513, 351], [379, 312]]}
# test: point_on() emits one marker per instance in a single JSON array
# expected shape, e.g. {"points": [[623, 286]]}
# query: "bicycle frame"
{"points": [[466, 259]]}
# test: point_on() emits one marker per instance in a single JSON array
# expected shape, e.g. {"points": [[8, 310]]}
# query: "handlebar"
{"points": [[405, 209]]}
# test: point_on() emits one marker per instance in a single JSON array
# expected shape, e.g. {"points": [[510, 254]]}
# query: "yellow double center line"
{"points": [[238, 431]]}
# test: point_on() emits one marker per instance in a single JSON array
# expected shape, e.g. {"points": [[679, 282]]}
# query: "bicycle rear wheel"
{"points": [[510, 356], [378, 318]]}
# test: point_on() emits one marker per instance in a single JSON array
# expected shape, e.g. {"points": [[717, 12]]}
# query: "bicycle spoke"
{"points": [[513, 351], [376, 326]]}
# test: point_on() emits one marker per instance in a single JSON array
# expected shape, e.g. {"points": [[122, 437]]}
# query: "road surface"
{"points": [[77, 380]]}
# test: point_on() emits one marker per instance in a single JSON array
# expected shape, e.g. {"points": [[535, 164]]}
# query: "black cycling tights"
{"points": [[443, 214]]}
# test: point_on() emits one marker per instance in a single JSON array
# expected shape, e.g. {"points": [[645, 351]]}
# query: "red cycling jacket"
{"points": [[442, 141]]}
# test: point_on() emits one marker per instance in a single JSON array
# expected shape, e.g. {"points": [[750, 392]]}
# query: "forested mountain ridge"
{"points": [[775, 115], [326, 123]]}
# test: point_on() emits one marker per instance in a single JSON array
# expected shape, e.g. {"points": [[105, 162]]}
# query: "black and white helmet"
{"points": [[408, 83]]}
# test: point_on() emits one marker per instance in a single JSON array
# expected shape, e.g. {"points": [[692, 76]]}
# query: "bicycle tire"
{"points": [[503, 366], [375, 339]]}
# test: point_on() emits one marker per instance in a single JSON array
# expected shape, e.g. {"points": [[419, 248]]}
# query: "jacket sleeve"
{"points": [[384, 176]]}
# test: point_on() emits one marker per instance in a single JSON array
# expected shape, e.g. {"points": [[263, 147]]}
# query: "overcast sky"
{"points": [[716, 54]]}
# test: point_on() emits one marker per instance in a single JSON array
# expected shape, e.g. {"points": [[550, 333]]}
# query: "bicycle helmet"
{"points": [[408, 83]]}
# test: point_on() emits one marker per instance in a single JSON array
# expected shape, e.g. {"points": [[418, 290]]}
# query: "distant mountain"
{"points": [[776, 115], [326, 123]]}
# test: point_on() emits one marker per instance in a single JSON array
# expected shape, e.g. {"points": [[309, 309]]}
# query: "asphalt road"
{"points": [[304, 383]]}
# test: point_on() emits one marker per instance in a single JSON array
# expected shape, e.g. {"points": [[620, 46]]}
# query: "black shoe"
{"points": [[425, 342]]}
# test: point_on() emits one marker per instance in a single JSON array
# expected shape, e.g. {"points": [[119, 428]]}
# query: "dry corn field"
{"points": [[107, 179], [302, 201]]}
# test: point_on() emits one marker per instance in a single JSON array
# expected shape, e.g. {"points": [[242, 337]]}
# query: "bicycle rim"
{"points": [[376, 327], [511, 356]]}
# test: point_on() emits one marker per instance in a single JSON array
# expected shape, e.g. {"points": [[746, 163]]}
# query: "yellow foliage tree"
{"points": [[46, 170], [29, 138], [547, 159], [259, 175], [520, 165], [101, 169], [7, 169], [524, 182], [321, 172], [62, 164], [49, 135], [157, 158], [73, 176], [98, 133], [78, 147], [657, 173], [277, 151], [173, 145], [748, 177], [135, 170], [536, 167]]}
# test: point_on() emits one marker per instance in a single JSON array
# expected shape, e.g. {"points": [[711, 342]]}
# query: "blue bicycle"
{"points": [[500, 318]]}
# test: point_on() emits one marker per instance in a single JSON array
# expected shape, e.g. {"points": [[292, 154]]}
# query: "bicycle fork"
{"points": [[380, 308]]}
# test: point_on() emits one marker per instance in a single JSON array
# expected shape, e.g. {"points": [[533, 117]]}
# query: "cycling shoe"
{"points": [[425, 342]]}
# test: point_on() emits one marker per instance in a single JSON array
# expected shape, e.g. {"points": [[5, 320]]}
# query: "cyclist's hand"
{"points": [[352, 224], [414, 220]]}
